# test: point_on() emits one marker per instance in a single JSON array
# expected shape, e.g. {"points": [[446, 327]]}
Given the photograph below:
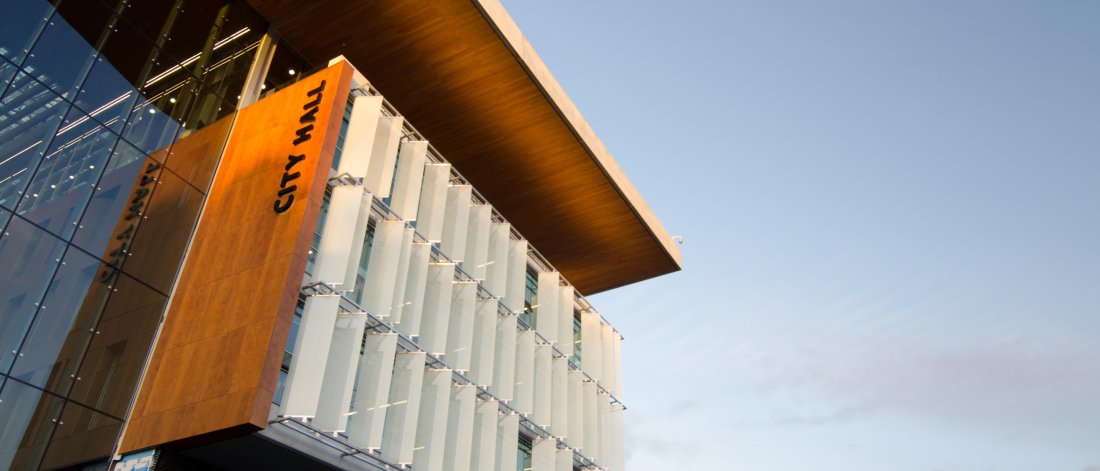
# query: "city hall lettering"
{"points": [[285, 196]]}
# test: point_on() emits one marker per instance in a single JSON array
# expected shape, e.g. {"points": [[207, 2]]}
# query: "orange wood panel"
{"points": [[216, 363]]}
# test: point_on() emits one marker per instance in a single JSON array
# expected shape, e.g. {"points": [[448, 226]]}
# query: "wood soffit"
{"points": [[465, 76]]}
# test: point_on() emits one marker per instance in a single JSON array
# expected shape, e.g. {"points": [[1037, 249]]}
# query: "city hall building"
{"points": [[275, 234]]}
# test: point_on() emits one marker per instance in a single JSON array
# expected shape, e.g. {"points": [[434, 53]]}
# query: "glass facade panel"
{"points": [[149, 127], [110, 130], [112, 196], [29, 418], [64, 181], [106, 96], [159, 239], [7, 72], [127, 321], [5, 215], [82, 435], [49, 356], [31, 255], [60, 58], [523, 463], [30, 115], [20, 25]]}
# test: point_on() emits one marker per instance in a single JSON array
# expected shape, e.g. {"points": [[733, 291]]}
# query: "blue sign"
{"points": [[140, 461]]}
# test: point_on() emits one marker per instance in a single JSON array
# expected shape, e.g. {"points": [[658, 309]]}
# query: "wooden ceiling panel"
{"points": [[456, 71]]}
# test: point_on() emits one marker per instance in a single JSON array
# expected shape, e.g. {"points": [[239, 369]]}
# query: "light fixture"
{"points": [[291, 72]]}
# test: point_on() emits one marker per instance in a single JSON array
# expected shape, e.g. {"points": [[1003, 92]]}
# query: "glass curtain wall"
{"points": [[113, 114]]}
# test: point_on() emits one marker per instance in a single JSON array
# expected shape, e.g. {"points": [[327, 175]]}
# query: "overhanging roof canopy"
{"points": [[464, 75]]}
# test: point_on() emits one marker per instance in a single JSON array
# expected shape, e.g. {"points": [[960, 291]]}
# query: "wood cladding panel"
{"points": [[216, 363], [445, 67]]}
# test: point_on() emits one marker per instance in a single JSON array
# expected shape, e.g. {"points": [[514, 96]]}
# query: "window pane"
{"points": [[31, 256], [114, 359], [111, 198], [51, 353], [29, 116], [106, 95], [29, 416], [195, 155], [7, 72], [66, 177], [19, 26], [4, 216], [133, 54], [60, 58], [160, 238], [149, 127], [82, 435]]}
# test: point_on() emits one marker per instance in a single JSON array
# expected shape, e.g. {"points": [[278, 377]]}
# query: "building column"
{"points": [[507, 442], [549, 296], [603, 421], [484, 342], [496, 270], [433, 201], [559, 397], [477, 241], [544, 454], [437, 307], [376, 377], [504, 358], [565, 321], [616, 455], [517, 276], [543, 385], [362, 127], [330, 265], [413, 307], [383, 155], [343, 359], [302, 389], [606, 350], [456, 218], [460, 334], [460, 428], [564, 459], [576, 411], [358, 239], [524, 401], [385, 256], [405, 197], [484, 445], [403, 408], [591, 429], [401, 277], [592, 345], [431, 426]]}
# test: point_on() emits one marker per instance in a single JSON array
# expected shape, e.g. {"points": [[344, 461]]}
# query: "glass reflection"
{"points": [[158, 243], [29, 417], [64, 181], [112, 195], [31, 256], [81, 436], [20, 25], [127, 321], [30, 115], [50, 354], [60, 58]]}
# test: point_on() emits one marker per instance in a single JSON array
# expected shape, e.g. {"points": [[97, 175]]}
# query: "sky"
{"points": [[890, 221]]}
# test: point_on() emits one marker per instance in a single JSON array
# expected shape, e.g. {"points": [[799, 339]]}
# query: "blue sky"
{"points": [[890, 222]]}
